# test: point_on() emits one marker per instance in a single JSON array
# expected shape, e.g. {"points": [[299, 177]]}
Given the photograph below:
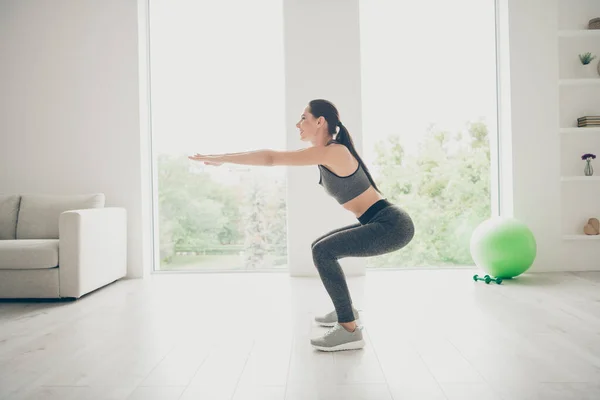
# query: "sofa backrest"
{"points": [[9, 210], [39, 214]]}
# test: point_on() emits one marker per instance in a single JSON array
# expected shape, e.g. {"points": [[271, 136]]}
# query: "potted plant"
{"points": [[586, 59], [588, 170]]}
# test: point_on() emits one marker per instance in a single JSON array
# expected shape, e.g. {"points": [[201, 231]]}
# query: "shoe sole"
{"points": [[332, 324], [356, 345]]}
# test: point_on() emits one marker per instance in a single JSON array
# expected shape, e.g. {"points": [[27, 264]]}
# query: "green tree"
{"points": [[445, 188], [194, 212], [197, 212], [256, 243], [277, 220]]}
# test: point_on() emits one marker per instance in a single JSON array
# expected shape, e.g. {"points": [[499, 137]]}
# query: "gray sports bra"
{"points": [[344, 188]]}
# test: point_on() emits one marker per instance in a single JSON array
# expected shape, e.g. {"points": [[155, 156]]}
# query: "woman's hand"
{"points": [[208, 160]]}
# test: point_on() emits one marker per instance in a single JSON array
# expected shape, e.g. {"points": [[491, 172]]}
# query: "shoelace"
{"points": [[332, 330]]}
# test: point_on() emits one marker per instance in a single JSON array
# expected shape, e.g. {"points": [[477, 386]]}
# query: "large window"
{"points": [[429, 126], [217, 86], [429, 119]]}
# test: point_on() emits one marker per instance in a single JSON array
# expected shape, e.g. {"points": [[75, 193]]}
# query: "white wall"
{"points": [[69, 109], [322, 60], [533, 145]]}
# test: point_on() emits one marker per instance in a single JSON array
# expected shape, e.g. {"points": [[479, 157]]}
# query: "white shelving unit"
{"points": [[579, 90], [572, 131], [581, 237], [589, 179], [575, 33], [579, 81]]}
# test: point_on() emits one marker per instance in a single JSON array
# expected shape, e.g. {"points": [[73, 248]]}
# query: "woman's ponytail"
{"points": [[343, 137]]}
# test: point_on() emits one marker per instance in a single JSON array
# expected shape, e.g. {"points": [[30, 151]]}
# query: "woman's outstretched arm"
{"points": [[309, 156], [258, 157]]}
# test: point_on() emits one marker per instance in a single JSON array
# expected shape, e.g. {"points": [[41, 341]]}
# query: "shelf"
{"points": [[579, 82], [581, 236], [593, 130], [580, 178], [579, 33]]}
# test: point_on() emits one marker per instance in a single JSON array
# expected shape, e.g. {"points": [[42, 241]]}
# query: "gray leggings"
{"points": [[388, 230]]}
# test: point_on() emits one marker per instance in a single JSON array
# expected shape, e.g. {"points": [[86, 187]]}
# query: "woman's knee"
{"points": [[312, 245], [320, 251]]}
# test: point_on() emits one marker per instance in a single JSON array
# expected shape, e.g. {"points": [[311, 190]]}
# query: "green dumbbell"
{"points": [[487, 279]]}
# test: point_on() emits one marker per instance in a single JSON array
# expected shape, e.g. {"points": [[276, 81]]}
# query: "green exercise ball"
{"points": [[503, 247]]}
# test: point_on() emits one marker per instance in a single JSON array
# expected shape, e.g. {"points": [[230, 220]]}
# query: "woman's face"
{"points": [[309, 125]]}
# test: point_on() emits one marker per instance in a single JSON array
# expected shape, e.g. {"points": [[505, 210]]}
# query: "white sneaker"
{"points": [[330, 319], [338, 338]]}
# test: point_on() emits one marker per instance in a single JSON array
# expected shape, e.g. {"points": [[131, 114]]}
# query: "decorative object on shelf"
{"points": [[594, 23], [592, 227], [591, 120], [588, 68], [586, 58], [588, 170]]}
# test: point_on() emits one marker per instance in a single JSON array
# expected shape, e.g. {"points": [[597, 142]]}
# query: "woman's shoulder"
{"points": [[336, 145], [339, 148], [341, 154]]}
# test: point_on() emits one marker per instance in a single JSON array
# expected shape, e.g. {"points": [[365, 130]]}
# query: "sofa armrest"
{"points": [[92, 249]]}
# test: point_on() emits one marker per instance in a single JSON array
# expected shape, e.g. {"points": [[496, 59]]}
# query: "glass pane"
{"points": [[217, 86], [429, 115]]}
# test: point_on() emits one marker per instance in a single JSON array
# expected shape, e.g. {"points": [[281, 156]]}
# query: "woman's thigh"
{"points": [[390, 230], [334, 231]]}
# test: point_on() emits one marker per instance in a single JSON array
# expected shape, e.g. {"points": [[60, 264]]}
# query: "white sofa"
{"points": [[60, 246]]}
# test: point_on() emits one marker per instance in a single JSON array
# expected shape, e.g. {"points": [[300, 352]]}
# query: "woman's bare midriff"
{"points": [[363, 201]]}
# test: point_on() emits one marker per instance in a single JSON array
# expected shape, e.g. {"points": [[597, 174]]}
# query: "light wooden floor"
{"points": [[430, 335]]}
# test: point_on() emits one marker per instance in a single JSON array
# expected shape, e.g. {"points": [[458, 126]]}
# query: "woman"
{"points": [[382, 228]]}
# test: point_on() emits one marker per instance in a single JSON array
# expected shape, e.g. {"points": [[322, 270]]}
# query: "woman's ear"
{"points": [[320, 121]]}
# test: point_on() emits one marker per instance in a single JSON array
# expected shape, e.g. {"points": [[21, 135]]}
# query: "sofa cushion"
{"points": [[28, 254], [39, 214], [9, 209]]}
